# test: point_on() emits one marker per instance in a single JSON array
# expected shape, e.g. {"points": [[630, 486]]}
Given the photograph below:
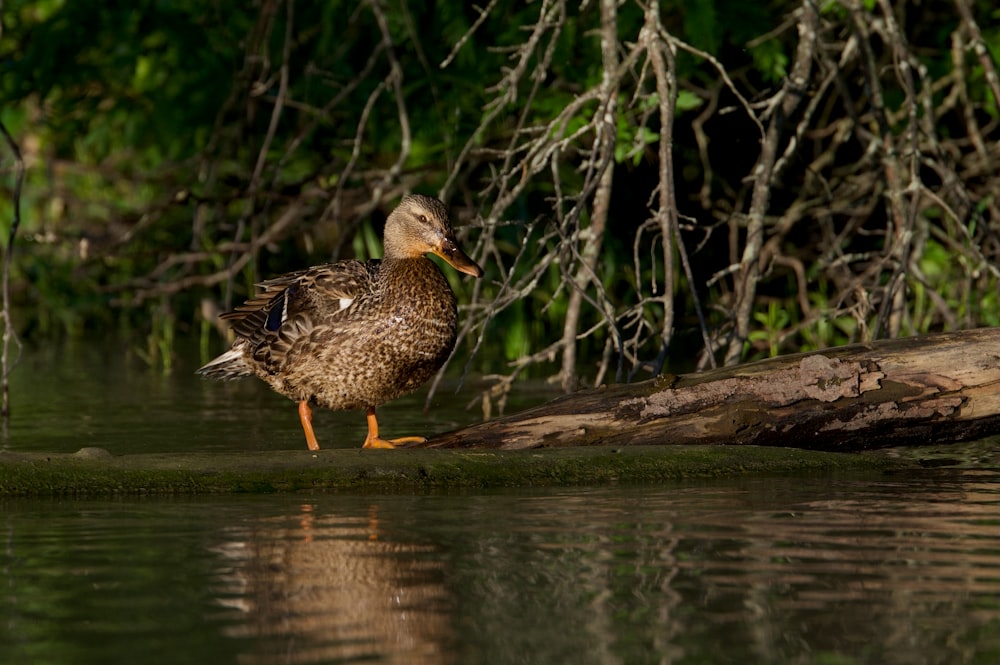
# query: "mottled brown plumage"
{"points": [[352, 335]]}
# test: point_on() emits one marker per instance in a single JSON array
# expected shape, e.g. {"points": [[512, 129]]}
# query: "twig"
{"points": [[8, 326], [785, 102], [483, 15]]}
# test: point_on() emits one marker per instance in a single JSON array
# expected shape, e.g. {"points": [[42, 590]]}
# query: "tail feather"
{"points": [[230, 365]]}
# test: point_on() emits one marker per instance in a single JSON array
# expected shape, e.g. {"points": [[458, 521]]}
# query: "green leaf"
{"points": [[688, 101]]}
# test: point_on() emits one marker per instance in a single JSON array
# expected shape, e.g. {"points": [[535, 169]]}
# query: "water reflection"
{"points": [[893, 571], [884, 571], [896, 569], [323, 587]]}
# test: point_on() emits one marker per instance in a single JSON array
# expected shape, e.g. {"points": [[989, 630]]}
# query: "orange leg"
{"points": [[306, 416], [373, 440]]}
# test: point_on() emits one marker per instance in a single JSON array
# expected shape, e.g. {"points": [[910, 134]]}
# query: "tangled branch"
{"points": [[643, 202]]}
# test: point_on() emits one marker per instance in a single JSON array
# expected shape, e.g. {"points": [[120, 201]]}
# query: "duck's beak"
{"points": [[457, 259]]}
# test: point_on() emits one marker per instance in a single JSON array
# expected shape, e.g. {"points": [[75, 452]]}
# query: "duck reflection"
{"points": [[312, 586]]}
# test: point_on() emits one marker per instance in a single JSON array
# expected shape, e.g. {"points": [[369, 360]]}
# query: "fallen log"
{"points": [[916, 390], [935, 389]]}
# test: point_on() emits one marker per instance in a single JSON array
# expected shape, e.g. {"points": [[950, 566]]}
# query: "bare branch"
{"points": [[6, 366], [786, 101]]}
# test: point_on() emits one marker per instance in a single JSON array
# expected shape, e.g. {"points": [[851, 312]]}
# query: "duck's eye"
{"points": [[422, 218]]}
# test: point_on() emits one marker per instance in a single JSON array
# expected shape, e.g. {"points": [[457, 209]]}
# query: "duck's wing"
{"points": [[299, 297]]}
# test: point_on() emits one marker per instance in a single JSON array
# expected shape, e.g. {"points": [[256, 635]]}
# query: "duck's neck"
{"points": [[396, 244]]}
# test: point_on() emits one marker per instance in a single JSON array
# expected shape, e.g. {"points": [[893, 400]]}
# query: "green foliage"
{"points": [[978, 81], [944, 283], [701, 25], [771, 61], [159, 349], [151, 99], [156, 94], [828, 328], [773, 322], [144, 124], [367, 244]]}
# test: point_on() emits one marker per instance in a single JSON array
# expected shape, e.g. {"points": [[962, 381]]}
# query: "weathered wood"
{"points": [[916, 390]]}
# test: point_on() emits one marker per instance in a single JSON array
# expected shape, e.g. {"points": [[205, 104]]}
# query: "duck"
{"points": [[354, 335]]}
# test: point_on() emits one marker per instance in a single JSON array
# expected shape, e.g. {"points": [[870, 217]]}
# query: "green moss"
{"points": [[39, 474]]}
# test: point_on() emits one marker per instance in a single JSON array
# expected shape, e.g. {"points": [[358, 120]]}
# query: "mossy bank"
{"points": [[94, 471]]}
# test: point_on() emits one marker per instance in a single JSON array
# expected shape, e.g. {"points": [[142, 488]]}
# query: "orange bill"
{"points": [[457, 259]]}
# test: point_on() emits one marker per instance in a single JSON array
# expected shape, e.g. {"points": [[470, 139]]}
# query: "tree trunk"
{"points": [[917, 390]]}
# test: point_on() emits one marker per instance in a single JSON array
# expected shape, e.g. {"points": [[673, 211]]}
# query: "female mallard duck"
{"points": [[352, 335]]}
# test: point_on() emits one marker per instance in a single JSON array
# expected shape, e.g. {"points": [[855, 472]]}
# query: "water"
{"points": [[807, 570], [901, 568]]}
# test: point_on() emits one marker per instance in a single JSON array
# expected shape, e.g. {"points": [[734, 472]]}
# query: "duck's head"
{"points": [[419, 225]]}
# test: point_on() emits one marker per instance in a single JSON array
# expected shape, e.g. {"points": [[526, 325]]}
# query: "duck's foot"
{"points": [[379, 442], [373, 440]]}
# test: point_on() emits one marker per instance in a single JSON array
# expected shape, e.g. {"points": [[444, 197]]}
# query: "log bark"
{"points": [[917, 390]]}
